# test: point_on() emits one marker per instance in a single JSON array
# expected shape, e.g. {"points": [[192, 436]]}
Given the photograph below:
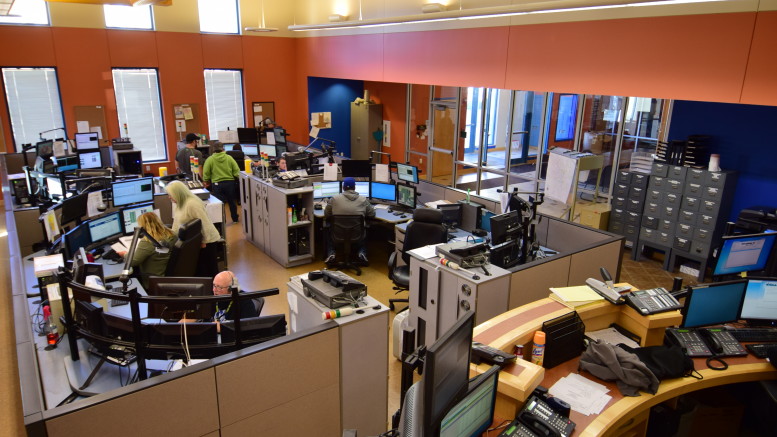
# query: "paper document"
{"points": [[330, 172], [560, 177], [381, 206], [437, 202], [118, 247], [126, 240], [611, 336], [228, 136], [425, 252], [47, 265], [93, 201], [579, 293], [583, 395], [381, 173], [271, 138]]}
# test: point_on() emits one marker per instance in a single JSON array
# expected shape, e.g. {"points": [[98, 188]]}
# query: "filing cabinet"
{"points": [[628, 203]]}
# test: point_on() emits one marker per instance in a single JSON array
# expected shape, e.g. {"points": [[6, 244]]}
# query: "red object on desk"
{"points": [[89, 257]]}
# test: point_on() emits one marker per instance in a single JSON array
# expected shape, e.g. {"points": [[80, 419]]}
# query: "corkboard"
{"points": [[189, 114], [262, 110]]}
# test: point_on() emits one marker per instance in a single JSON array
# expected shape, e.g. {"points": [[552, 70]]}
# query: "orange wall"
{"points": [[84, 58], [392, 96]]}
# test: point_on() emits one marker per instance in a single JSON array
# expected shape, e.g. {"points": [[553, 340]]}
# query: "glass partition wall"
{"points": [[488, 140]]}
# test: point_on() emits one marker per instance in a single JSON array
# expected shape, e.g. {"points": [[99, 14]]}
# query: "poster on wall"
{"points": [[321, 120], [567, 115]]}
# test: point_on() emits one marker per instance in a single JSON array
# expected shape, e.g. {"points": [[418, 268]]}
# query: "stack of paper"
{"points": [[575, 297], [47, 265], [437, 202], [583, 395]]}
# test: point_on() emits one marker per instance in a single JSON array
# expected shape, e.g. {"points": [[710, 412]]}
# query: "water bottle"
{"points": [[52, 333]]}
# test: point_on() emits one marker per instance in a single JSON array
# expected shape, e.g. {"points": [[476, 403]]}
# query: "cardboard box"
{"points": [[595, 215]]}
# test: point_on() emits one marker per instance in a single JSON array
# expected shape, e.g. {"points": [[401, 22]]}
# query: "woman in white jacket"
{"points": [[188, 207]]}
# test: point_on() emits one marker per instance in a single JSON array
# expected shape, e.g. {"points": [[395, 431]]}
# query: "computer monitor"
{"points": [[54, 187], [90, 159], [505, 227], [407, 173], [74, 208], [322, 190], [45, 149], [261, 328], [228, 147], [89, 316], [406, 196], [268, 149], [451, 214], [714, 304], [383, 191], [297, 161], [87, 141], [131, 191], [760, 304], [77, 238], [250, 149], [171, 334], [362, 188], [744, 253], [129, 162], [280, 149], [280, 135], [119, 327], [356, 168], [130, 215], [472, 415], [183, 287], [247, 135], [106, 227], [485, 220], [67, 163]]}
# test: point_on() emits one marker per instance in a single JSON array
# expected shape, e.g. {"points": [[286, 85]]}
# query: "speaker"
{"points": [[470, 215], [19, 190], [303, 242]]}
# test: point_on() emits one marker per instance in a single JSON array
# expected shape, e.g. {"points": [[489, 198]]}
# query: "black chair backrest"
{"points": [[347, 228], [425, 229], [186, 251]]}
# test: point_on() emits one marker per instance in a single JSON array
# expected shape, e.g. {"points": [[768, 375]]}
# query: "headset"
{"points": [[234, 284]]}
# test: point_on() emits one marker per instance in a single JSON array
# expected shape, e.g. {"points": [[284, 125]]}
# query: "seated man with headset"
{"points": [[222, 285]]}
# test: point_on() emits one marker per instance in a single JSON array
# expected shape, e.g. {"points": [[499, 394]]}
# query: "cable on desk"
{"points": [[498, 427], [718, 358]]}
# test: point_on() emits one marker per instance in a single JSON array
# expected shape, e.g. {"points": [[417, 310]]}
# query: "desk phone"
{"points": [[655, 300], [538, 419], [706, 342]]}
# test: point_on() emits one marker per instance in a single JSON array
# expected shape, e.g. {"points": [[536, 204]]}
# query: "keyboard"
{"points": [[755, 334], [760, 349]]}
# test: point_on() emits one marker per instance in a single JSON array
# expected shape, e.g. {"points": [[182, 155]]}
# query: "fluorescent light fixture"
{"points": [[487, 12], [262, 27], [431, 8]]}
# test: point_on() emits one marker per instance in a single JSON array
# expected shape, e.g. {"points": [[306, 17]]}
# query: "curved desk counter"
{"points": [[622, 415]]}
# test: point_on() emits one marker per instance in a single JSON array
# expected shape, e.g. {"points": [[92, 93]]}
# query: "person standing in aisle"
{"points": [[188, 207], [220, 173], [182, 157]]}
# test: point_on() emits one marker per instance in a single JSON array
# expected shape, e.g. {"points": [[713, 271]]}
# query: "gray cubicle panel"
{"points": [[429, 192], [281, 387], [533, 282], [165, 206], [15, 161], [586, 264], [564, 236]]}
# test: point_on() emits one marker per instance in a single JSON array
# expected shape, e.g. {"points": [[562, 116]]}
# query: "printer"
{"points": [[757, 219]]}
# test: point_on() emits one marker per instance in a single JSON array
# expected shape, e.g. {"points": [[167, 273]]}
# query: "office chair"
{"points": [[347, 230], [186, 251], [425, 229]]}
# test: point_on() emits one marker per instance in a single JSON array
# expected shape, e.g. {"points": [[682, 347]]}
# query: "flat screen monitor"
{"points": [[54, 187], [131, 191], [74, 208], [261, 328], [451, 214], [362, 188], [228, 147], [183, 287], [280, 149], [280, 135], [77, 238], [129, 162], [130, 215], [446, 372], [119, 327], [89, 316], [485, 220], [744, 253], [382, 191], [268, 149], [406, 196], [67, 163], [106, 227], [760, 304], [87, 141], [247, 135], [297, 161], [250, 149], [45, 149], [714, 304], [91, 159], [505, 227], [472, 415], [407, 173], [356, 168], [322, 190]]}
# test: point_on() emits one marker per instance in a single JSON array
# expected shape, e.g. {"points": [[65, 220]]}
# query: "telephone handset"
{"points": [[538, 419], [706, 342], [712, 341]]}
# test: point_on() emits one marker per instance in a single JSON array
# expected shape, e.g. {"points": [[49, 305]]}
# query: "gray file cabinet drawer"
{"points": [[674, 186], [651, 222], [716, 179], [634, 205], [624, 177], [637, 193], [653, 209], [687, 217], [657, 183], [693, 189], [616, 227], [666, 226], [639, 180], [672, 199], [691, 203], [703, 235], [670, 212], [664, 238], [660, 169], [699, 248], [696, 176], [712, 193], [632, 218], [685, 231], [646, 234], [621, 190], [682, 244], [655, 196], [706, 221], [677, 172], [619, 202], [709, 207], [617, 215]]}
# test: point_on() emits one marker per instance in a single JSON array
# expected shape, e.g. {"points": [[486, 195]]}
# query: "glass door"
{"points": [[445, 125]]}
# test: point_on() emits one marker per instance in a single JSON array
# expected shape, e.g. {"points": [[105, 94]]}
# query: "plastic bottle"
{"points": [[538, 350], [289, 213], [52, 333], [294, 215]]}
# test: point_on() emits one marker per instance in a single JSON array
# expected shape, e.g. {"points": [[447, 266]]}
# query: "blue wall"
{"points": [[745, 136], [335, 96]]}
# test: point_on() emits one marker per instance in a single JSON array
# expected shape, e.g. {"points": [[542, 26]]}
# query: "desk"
{"points": [[381, 214], [622, 414]]}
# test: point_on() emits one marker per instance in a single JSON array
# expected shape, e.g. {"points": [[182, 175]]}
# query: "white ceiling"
{"points": [[5, 6]]}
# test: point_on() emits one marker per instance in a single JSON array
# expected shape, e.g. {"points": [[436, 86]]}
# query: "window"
{"points": [[224, 96], [218, 16], [33, 104], [128, 17], [140, 112], [27, 12]]}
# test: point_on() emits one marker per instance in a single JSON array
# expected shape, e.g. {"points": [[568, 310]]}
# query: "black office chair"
{"points": [[425, 229], [346, 230], [186, 251]]}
